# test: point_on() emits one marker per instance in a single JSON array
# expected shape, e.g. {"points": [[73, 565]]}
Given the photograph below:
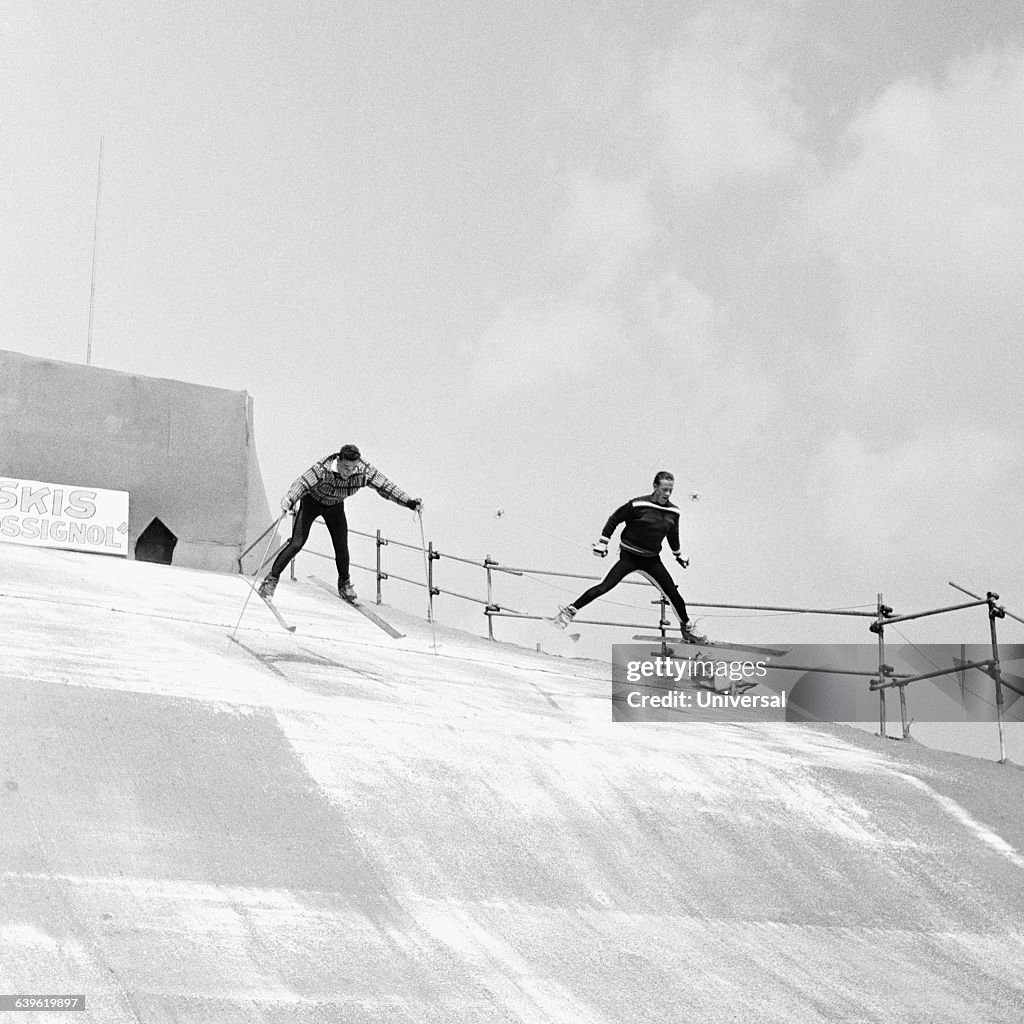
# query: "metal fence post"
{"points": [[431, 589], [878, 626], [380, 576], [994, 612], [663, 622], [488, 562], [903, 712]]}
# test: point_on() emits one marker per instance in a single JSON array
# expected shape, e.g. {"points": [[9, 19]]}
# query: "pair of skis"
{"points": [[725, 645], [766, 652], [373, 617]]}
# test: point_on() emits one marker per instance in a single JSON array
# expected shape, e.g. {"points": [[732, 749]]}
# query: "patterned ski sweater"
{"points": [[647, 526], [326, 486]]}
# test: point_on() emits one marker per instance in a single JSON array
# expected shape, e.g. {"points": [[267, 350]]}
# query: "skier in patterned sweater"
{"points": [[649, 520], [321, 491]]}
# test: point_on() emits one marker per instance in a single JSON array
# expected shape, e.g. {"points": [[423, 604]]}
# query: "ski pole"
{"points": [[426, 577], [273, 533]]}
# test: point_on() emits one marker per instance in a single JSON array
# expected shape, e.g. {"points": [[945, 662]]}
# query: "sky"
{"points": [[527, 255]]}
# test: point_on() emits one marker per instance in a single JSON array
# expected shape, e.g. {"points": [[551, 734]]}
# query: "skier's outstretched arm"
{"points": [[390, 490]]}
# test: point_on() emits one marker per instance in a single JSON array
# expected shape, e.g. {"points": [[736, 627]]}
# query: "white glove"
{"points": [[600, 547], [286, 504]]}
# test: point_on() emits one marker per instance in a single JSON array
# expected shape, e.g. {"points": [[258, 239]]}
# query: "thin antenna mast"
{"points": [[95, 236]]}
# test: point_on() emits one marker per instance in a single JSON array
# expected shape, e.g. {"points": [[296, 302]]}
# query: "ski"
{"points": [[723, 645], [372, 616], [270, 605]]}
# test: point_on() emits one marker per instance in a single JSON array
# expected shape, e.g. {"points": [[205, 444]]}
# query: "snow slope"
{"points": [[338, 826]]}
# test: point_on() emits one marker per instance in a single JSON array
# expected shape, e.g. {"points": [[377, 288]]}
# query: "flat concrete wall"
{"points": [[185, 453]]}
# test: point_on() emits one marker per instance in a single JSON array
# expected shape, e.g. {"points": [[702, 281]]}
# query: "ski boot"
{"points": [[564, 617], [691, 636], [347, 592], [268, 586]]}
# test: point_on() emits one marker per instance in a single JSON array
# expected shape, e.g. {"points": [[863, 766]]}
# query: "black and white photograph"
{"points": [[511, 513]]}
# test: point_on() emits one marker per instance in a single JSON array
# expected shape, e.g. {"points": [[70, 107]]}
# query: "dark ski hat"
{"points": [[350, 453]]}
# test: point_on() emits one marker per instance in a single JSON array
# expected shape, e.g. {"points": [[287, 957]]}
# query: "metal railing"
{"points": [[492, 609], [882, 616]]}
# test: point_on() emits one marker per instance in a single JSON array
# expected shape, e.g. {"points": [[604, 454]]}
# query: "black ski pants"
{"points": [[652, 568], [337, 526]]}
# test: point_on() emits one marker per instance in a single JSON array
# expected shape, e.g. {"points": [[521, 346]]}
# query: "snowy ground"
{"points": [[339, 826]]}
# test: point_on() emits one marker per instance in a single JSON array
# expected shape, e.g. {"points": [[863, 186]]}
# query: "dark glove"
{"points": [[684, 562]]}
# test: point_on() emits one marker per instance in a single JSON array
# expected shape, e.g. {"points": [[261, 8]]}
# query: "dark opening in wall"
{"points": [[155, 544]]}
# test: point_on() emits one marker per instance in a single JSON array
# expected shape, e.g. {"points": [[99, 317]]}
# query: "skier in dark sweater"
{"points": [[321, 491], [649, 520]]}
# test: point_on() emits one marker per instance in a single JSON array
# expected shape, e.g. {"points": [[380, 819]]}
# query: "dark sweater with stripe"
{"points": [[647, 525]]}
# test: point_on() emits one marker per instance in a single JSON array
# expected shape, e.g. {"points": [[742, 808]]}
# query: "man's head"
{"points": [[663, 484], [348, 459]]}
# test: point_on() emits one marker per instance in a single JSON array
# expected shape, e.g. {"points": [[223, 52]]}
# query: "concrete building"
{"points": [[185, 453]]}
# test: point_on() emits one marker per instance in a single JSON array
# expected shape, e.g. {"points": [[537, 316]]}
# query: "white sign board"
{"points": [[63, 516]]}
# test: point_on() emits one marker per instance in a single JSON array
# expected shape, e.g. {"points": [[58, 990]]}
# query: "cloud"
{"points": [[623, 257], [580, 338], [927, 491], [599, 86], [925, 220], [574, 334], [605, 227], [547, 342], [719, 106], [679, 311]]}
